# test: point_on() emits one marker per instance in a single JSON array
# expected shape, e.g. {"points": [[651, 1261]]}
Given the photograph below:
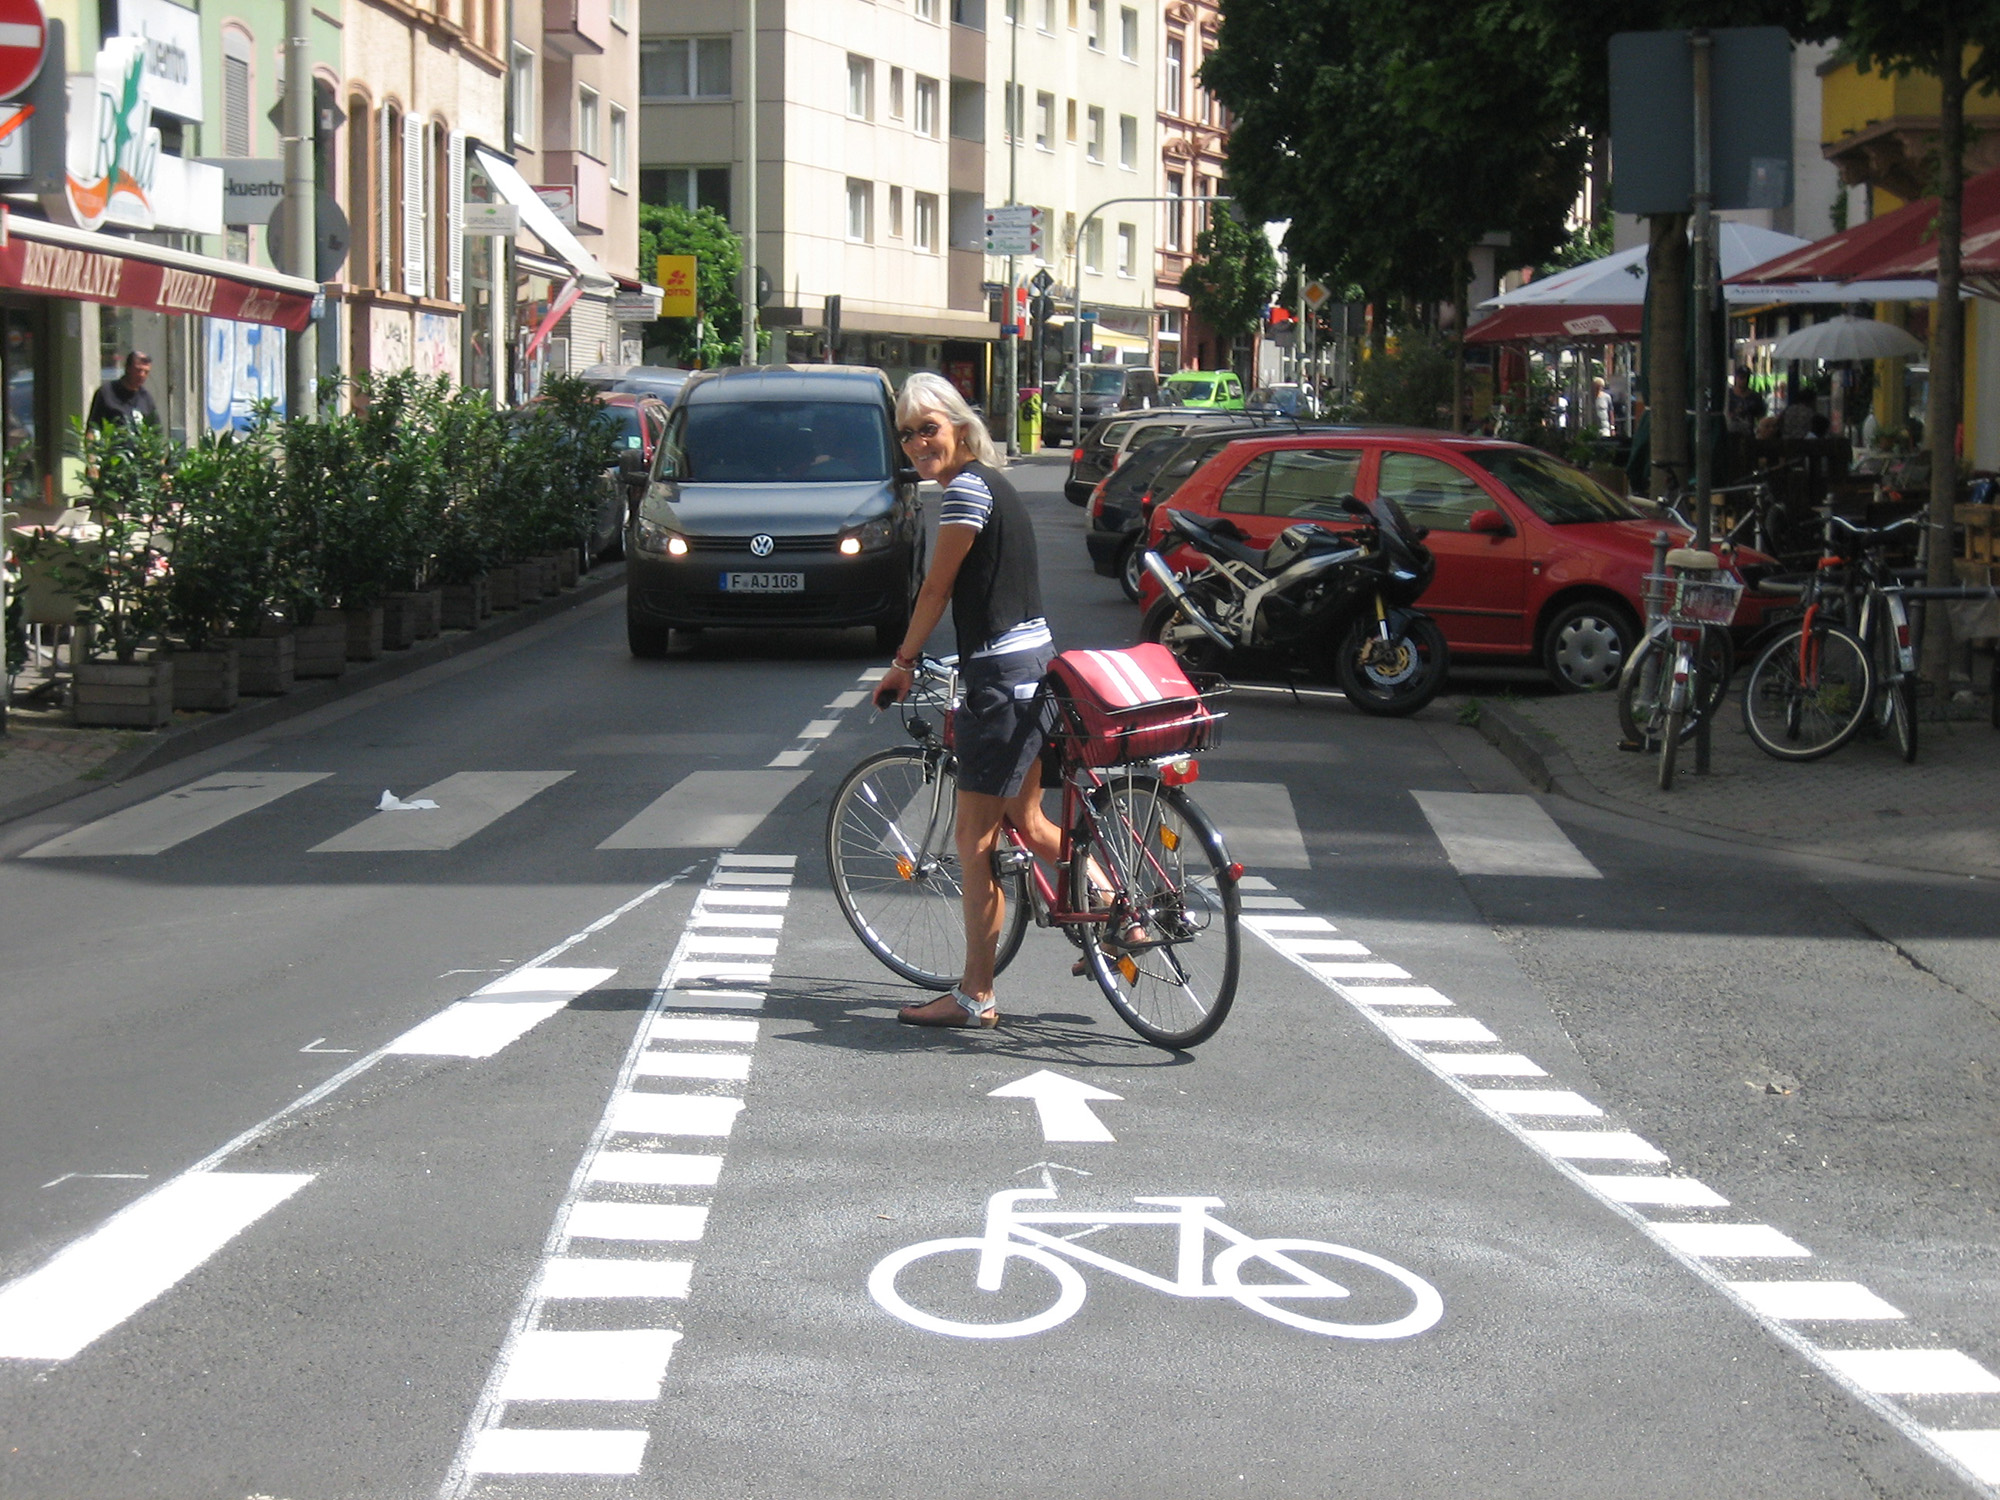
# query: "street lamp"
{"points": [[1076, 287]]}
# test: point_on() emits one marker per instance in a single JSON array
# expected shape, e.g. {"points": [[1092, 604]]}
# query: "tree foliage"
{"points": [[716, 337], [1232, 277]]}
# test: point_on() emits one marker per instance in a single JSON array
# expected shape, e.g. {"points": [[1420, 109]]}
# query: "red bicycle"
{"points": [[1143, 885]]}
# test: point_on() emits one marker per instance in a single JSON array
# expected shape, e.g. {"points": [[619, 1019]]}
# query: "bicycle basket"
{"points": [[1111, 708], [1693, 601]]}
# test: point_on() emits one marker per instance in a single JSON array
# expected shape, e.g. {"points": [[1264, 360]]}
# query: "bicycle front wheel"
{"points": [[1167, 959], [1647, 678], [1807, 695], [890, 852], [1895, 690]]}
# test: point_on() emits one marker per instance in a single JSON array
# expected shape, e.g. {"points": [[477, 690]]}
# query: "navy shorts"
{"points": [[996, 728]]}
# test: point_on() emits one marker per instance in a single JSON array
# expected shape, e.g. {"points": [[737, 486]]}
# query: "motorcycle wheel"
{"points": [[1198, 653], [1391, 678]]}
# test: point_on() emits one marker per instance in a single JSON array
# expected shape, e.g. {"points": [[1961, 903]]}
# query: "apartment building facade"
{"points": [[1193, 144]]}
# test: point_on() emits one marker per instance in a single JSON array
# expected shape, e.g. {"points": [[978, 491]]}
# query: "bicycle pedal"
{"points": [[1634, 747], [1010, 862]]}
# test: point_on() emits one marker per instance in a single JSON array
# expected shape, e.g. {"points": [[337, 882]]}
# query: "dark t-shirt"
{"points": [[113, 403]]}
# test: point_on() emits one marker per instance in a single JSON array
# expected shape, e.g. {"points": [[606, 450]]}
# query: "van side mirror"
{"points": [[1489, 523], [632, 466]]}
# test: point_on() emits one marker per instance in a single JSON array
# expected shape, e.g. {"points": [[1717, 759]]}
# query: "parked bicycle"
{"points": [[1678, 675], [1851, 658], [1143, 884], [1398, 1302]]}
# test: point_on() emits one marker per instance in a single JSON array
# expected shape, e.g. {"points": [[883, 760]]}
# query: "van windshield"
{"points": [[1101, 382], [783, 442]]}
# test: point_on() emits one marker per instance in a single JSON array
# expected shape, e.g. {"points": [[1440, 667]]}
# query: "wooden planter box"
{"points": [[427, 615], [566, 567], [126, 695], [264, 665], [503, 586], [320, 649], [535, 577], [461, 606], [364, 632], [399, 620], [210, 679]]}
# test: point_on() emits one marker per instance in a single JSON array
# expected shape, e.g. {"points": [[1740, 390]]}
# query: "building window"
{"points": [[1015, 107], [1176, 190], [1128, 142], [1013, 12], [685, 67], [895, 213], [524, 95], [1208, 106], [860, 87], [927, 107], [1093, 143], [1093, 246], [926, 10], [1176, 83], [586, 123], [236, 92], [969, 13], [360, 191], [1093, 34], [968, 113], [1128, 248], [925, 223], [895, 93], [860, 211], [1045, 121], [1048, 15], [1072, 15], [616, 161], [965, 227], [1128, 33], [621, 14], [686, 187]]}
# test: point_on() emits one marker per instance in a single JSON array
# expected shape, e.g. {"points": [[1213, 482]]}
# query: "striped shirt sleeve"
{"points": [[967, 502]]}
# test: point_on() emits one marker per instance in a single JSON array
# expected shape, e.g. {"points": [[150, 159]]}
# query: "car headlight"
{"points": [[659, 540], [872, 536]]}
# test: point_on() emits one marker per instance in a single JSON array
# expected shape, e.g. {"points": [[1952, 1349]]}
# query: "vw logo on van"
{"points": [[762, 545]]}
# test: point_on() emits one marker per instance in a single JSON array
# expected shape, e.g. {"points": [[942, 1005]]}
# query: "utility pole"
{"points": [[1010, 311], [749, 293], [301, 226], [1704, 325]]}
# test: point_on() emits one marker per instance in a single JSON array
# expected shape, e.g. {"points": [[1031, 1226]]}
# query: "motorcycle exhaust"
{"points": [[1164, 577]]}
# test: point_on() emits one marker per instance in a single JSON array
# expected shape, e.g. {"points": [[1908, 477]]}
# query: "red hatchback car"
{"points": [[1535, 560]]}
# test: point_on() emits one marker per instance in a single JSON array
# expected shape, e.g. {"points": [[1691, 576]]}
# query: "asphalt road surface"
{"points": [[558, 1140]]}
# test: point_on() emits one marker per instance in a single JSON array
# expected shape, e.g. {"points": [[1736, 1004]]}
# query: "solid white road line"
{"points": [[1806, 1301], [1258, 822], [466, 802], [102, 1279], [575, 1277], [498, 1015], [625, 1365], [654, 1169], [1499, 833], [1730, 1241], [707, 809], [1914, 1372], [646, 1223], [1659, 1192], [177, 816], [564, 1450]]}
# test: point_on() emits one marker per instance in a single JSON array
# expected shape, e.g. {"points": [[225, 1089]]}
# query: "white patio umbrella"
{"points": [[1848, 337]]}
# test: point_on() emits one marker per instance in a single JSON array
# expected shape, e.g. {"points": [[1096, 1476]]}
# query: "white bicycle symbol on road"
{"points": [[1011, 1235]]}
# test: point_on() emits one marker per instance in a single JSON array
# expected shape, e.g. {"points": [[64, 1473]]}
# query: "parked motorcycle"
{"points": [[1334, 601]]}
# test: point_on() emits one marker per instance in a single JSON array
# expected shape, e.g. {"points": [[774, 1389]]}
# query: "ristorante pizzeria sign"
{"points": [[93, 276]]}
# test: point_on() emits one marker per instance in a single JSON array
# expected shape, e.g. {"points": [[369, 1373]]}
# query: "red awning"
{"points": [[57, 261], [1553, 321], [1884, 249], [1978, 252]]}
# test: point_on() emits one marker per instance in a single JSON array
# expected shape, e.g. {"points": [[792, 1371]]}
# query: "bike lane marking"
{"points": [[614, 1253], [818, 730], [1871, 1375]]}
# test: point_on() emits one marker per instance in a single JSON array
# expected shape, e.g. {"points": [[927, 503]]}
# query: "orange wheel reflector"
{"points": [[1171, 839], [1129, 969], [905, 869]]}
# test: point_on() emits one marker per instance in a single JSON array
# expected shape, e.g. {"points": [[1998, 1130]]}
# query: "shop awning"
{"points": [[537, 217], [57, 261], [1553, 321], [1893, 246]]}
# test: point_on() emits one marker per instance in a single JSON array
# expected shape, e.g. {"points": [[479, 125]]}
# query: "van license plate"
{"points": [[763, 583]]}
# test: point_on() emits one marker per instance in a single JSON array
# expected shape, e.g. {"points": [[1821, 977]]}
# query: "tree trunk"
{"points": [[1378, 328], [1947, 388], [1463, 312], [1666, 351]]}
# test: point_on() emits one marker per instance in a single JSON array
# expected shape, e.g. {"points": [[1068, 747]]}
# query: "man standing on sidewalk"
{"points": [[126, 399]]}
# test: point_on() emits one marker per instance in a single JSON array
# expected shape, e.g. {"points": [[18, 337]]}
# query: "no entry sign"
{"points": [[23, 36]]}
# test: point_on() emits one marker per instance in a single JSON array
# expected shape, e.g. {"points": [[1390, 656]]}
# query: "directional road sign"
{"points": [[1013, 229], [24, 35]]}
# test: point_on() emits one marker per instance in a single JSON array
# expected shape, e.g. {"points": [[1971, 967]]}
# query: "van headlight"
{"points": [[872, 536], [659, 540]]}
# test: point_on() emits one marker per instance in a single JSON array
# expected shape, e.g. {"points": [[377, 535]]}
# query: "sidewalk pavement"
{"points": [[1860, 803]]}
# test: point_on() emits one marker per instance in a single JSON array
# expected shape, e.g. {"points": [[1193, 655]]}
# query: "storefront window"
{"points": [[22, 467]]}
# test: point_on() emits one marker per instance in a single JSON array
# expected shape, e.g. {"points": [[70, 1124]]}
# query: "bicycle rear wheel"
{"points": [[1802, 704], [1895, 691], [895, 869], [1167, 959], [1647, 676]]}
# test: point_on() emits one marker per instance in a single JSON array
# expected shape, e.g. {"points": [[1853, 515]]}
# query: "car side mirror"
{"points": [[1489, 523], [907, 474], [632, 466]]}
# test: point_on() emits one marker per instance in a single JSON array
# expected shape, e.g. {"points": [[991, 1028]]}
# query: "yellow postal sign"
{"points": [[676, 274]]}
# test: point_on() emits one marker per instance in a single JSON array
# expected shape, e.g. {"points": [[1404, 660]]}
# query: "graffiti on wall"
{"points": [[437, 346], [246, 365]]}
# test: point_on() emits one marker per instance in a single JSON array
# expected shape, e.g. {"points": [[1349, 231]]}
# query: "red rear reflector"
{"points": [[1180, 772], [1903, 635], [1076, 457], [1235, 870]]}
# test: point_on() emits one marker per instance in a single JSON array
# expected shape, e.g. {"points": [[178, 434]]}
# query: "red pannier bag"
{"points": [[1119, 706]]}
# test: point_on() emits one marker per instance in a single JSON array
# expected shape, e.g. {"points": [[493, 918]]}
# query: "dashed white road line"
{"points": [[1840, 1311], [822, 728]]}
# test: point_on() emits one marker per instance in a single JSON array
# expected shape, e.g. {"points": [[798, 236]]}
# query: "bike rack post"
{"points": [[1662, 543]]}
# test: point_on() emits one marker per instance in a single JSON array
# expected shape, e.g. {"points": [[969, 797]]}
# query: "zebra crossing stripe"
{"points": [[467, 801], [172, 818]]}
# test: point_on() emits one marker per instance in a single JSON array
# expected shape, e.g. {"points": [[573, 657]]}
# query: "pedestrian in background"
{"points": [[1745, 408], [1600, 408], [126, 399]]}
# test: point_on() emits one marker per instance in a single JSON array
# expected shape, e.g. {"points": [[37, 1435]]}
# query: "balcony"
{"points": [[1882, 129], [576, 28], [592, 182]]}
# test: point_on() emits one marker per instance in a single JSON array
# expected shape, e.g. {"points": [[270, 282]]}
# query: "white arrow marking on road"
{"points": [[1063, 1105]]}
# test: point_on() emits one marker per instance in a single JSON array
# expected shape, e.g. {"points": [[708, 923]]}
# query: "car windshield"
{"points": [[1194, 390], [1135, 475], [629, 435], [1554, 491], [783, 442], [1110, 382]]}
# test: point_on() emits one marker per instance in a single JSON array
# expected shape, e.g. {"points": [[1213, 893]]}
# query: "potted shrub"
{"points": [[213, 572]]}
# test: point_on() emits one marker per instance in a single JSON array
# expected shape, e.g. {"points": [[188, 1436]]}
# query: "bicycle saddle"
{"points": [[1693, 560]]}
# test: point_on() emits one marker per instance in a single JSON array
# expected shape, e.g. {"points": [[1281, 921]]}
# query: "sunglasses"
{"points": [[926, 432]]}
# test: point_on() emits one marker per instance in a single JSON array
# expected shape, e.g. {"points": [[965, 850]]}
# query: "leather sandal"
{"points": [[971, 1013]]}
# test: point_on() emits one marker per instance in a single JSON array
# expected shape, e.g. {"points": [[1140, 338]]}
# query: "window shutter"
{"points": [[385, 268], [413, 206], [455, 218]]}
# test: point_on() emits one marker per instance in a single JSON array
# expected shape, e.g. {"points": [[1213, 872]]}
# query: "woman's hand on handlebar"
{"points": [[894, 687]]}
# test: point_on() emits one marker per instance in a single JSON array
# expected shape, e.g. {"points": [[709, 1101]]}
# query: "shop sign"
{"points": [[171, 37], [676, 275], [251, 186], [502, 220], [92, 276], [560, 200], [113, 144], [634, 307]]}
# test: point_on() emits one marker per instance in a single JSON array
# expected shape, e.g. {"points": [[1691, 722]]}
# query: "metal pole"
{"points": [[749, 294], [1011, 310], [1704, 326], [301, 230]]}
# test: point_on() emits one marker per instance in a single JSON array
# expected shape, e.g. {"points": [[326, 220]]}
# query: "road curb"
{"points": [[259, 714]]}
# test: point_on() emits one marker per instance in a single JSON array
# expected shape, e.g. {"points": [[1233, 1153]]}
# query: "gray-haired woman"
{"points": [[985, 568]]}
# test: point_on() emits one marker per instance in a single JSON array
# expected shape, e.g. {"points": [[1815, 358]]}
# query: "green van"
{"points": [[1209, 390]]}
